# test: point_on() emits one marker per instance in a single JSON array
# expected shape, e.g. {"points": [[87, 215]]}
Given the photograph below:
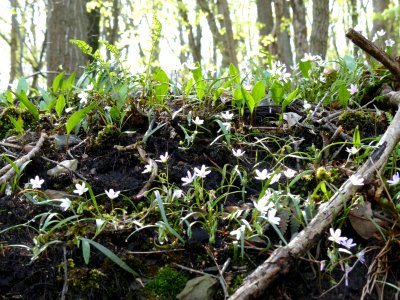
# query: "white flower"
{"points": [[89, 87], [83, 96], [356, 180], [107, 108], [198, 121], [148, 168], [69, 109], [336, 236], [348, 243], [65, 204], [227, 125], [264, 204], [262, 175], [177, 194], [188, 179], [275, 178], [80, 189], [272, 218], [163, 158], [36, 183], [307, 57], [381, 32], [322, 78], [395, 179], [353, 150], [289, 173], [203, 172], [353, 89], [112, 194], [389, 43], [238, 232], [360, 255], [306, 105], [99, 223], [226, 115], [238, 152]]}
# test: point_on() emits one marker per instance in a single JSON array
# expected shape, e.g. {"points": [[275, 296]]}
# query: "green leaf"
{"points": [[57, 82], [60, 104], [83, 46], [234, 73], [85, 250], [277, 92], [305, 66], [238, 97], [289, 99], [248, 98], [343, 95], [107, 252], [258, 92], [199, 81], [77, 116], [113, 49], [357, 138], [18, 124], [28, 104], [189, 86], [22, 85], [162, 86], [122, 94], [350, 62]]}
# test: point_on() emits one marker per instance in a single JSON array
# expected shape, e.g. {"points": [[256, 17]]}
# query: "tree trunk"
{"points": [[194, 42], [66, 20], [218, 38], [282, 32], [320, 27], [354, 21], [226, 23], [93, 29], [299, 28], [379, 23], [14, 42], [266, 23]]}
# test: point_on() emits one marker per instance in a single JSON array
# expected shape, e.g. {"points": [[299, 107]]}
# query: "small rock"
{"points": [[199, 288], [62, 139], [72, 164]]}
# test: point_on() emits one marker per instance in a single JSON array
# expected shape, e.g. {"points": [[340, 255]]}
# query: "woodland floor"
{"points": [[105, 167]]}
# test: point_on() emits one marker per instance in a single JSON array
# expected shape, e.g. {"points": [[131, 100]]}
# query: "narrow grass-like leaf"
{"points": [[107, 252], [60, 104], [85, 250]]}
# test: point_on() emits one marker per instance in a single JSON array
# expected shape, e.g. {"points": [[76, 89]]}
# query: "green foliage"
{"points": [[167, 284], [77, 117]]}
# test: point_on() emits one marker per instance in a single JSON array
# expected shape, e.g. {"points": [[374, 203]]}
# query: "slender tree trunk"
{"points": [[299, 28], [66, 20], [226, 23], [379, 23], [266, 23], [354, 21], [194, 42], [93, 29], [14, 42], [320, 27], [282, 32]]}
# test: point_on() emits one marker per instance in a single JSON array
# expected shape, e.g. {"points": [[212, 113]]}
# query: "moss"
{"points": [[108, 134], [6, 125], [167, 284]]}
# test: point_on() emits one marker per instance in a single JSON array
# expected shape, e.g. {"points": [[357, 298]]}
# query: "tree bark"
{"points": [[282, 32], [14, 42], [194, 42], [320, 27], [266, 23], [379, 23], [229, 41], [66, 20], [93, 29], [218, 38], [299, 28]]}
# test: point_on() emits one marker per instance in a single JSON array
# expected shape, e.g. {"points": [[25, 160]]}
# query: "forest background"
{"points": [[34, 35]]}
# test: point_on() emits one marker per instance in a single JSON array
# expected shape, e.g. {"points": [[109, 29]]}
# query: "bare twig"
{"points": [[373, 50], [19, 162]]}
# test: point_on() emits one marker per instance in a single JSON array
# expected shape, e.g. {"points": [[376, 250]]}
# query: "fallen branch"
{"points": [[20, 161], [282, 258], [376, 52]]}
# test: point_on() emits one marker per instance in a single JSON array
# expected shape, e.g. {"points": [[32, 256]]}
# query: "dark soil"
{"points": [[105, 167]]}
